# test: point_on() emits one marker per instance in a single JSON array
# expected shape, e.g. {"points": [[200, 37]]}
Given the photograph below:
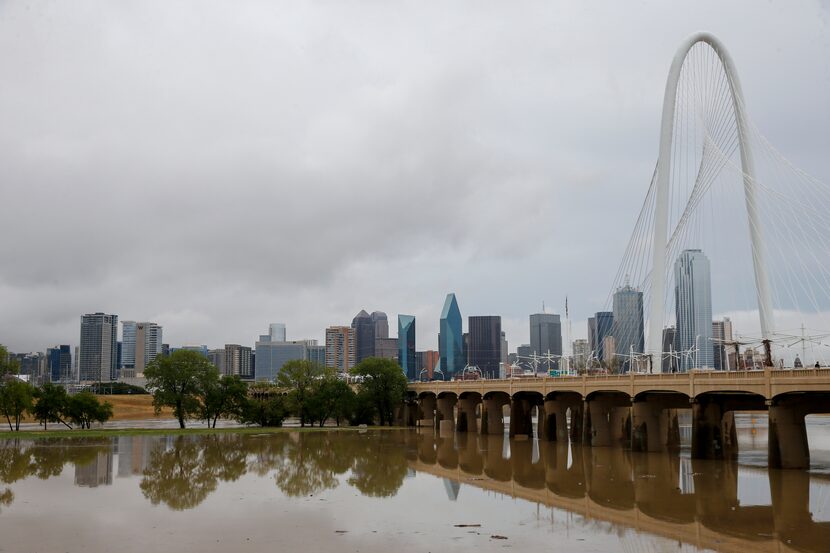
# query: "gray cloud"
{"points": [[215, 166]]}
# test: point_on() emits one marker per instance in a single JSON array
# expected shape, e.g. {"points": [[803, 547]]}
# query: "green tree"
{"points": [[51, 404], [383, 382], [15, 399], [178, 381], [264, 411], [300, 378], [224, 397], [332, 398], [363, 409], [84, 408], [8, 366]]}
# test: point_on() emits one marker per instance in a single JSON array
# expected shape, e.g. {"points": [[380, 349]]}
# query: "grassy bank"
{"points": [[127, 408], [113, 432]]}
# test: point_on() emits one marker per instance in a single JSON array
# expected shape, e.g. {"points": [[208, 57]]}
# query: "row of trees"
{"points": [[191, 386], [48, 403]]}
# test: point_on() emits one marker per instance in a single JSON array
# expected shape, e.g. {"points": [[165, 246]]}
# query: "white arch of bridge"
{"points": [[664, 165]]}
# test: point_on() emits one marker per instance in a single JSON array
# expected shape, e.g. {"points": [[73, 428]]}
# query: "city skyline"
{"points": [[603, 147]]}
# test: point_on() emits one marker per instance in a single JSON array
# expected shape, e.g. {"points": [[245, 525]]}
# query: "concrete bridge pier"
{"points": [[427, 417], [553, 421], [521, 418], [787, 446], [607, 420], [445, 415], [492, 419], [654, 426], [407, 414], [467, 419], [713, 431]]}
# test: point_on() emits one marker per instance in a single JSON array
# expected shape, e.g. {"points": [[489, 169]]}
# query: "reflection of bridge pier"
{"points": [[610, 476], [637, 410], [640, 490]]}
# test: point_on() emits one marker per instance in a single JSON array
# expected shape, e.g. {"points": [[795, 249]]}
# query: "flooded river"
{"points": [[401, 490]]}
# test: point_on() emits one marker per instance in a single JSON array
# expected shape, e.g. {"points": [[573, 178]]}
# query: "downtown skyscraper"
{"points": [[450, 339], [364, 333], [546, 336], [484, 350], [628, 332], [98, 356], [693, 309], [406, 346]]}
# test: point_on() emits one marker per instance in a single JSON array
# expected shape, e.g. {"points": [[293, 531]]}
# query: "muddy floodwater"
{"points": [[402, 490]]}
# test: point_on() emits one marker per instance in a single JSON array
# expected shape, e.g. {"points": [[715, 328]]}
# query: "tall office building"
{"points": [[523, 354], [581, 352], [98, 358], [364, 333], [148, 342], [669, 356], [237, 361], [693, 309], [600, 326], [276, 332], [406, 346], [450, 339], [386, 348], [59, 361], [315, 353], [128, 330], [721, 334], [628, 325], [504, 352], [425, 361], [381, 324], [546, 335], [272, 351], [484, 350], [217, 359], [340, 348]]}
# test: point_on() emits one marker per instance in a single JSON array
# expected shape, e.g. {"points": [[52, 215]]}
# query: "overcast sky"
{"points": [[217, 166]]}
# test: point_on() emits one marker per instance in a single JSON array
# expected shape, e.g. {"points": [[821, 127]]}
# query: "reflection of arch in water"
{"points": [[470, 459], [705, 513], [525, 472], [656, 489], [564, 468], [495, 465], [609, 476]]}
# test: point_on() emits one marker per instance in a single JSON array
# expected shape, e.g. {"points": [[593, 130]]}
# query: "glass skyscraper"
{"points": [[128, 331], [546, 336], [364, 332], [693, 309], [628, 325], [406, 346], [450, 339], [599, 327], [484, 349], [59, 361]]}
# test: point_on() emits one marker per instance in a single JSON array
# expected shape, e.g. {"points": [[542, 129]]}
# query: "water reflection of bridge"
{"points": [[635, 410], [690, 500]]}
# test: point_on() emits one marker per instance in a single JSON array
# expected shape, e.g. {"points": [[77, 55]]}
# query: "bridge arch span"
{"points": [[663, 175]]}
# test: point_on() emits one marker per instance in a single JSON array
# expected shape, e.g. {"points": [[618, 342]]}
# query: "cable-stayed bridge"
{"points": [[729, 226], [727, 221]]}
